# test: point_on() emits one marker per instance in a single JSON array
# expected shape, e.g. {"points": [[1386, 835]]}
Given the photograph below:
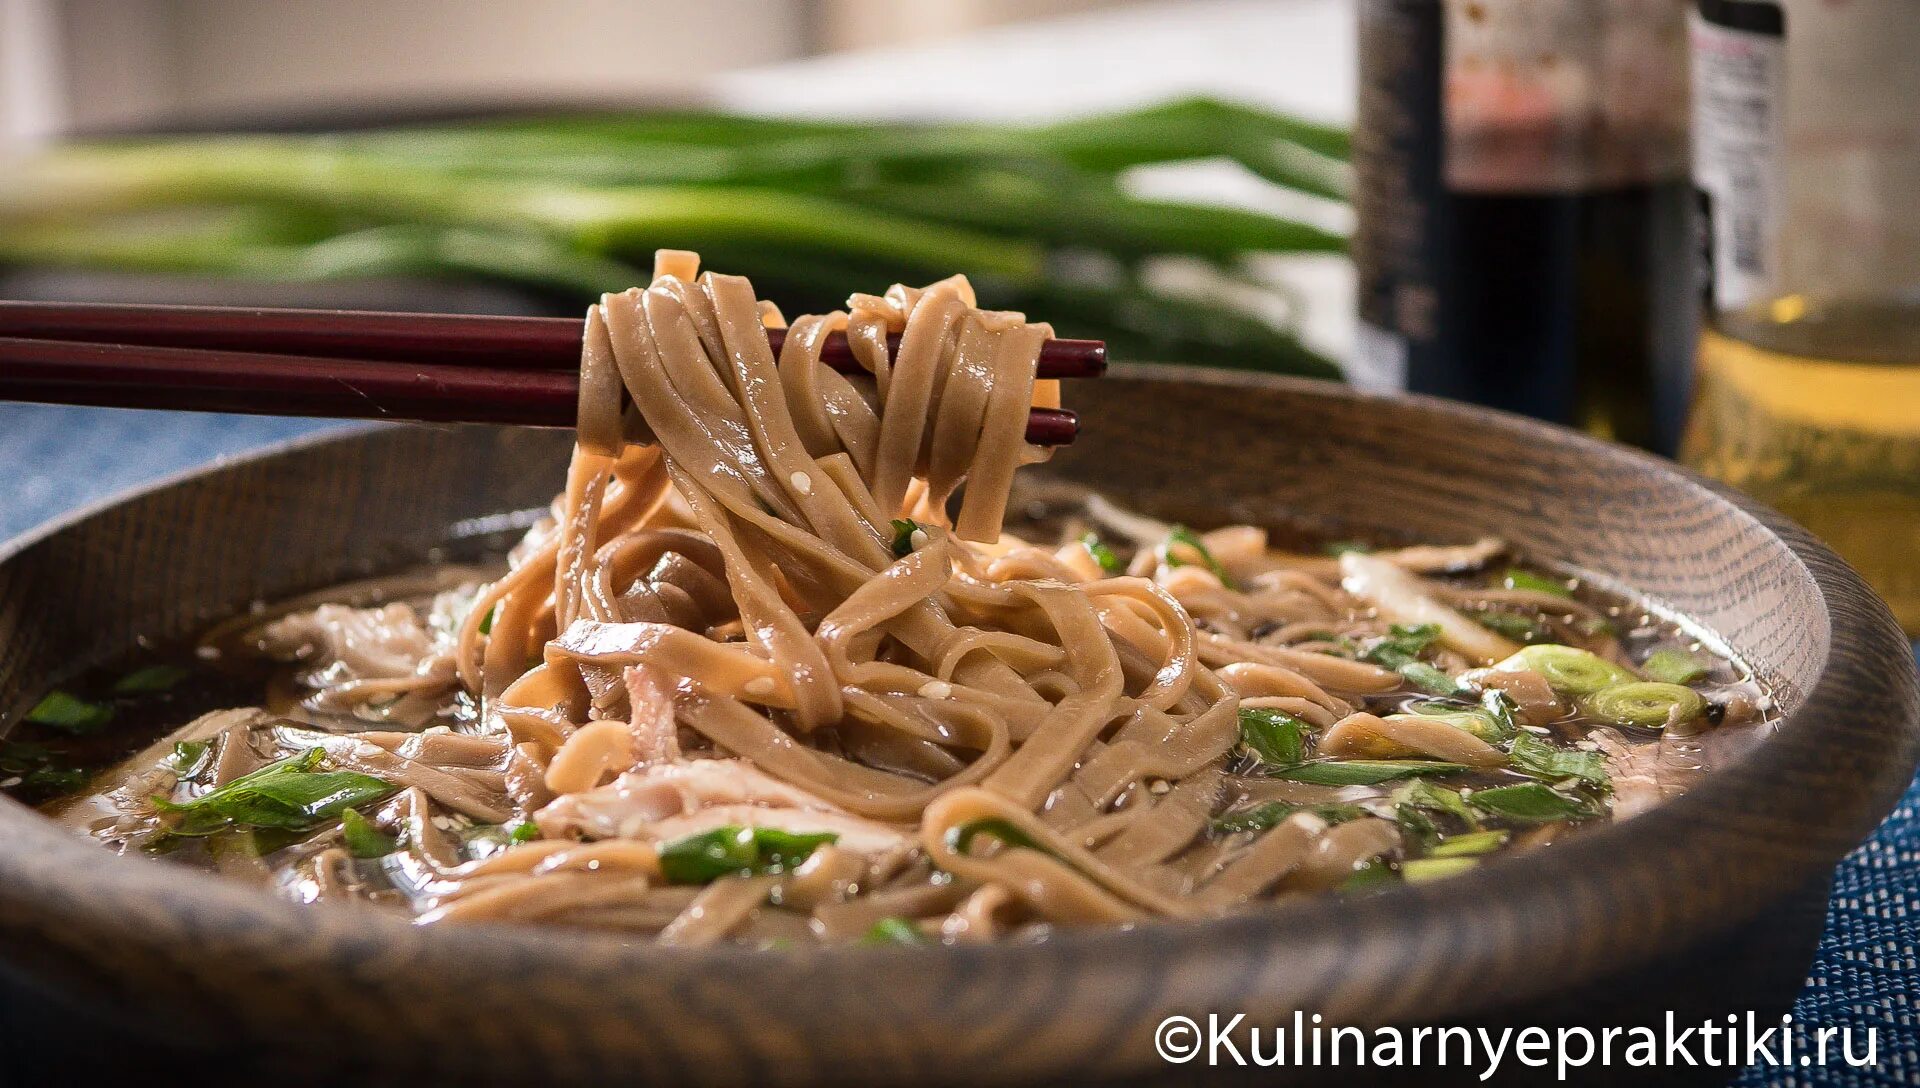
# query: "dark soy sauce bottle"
{"points": [[1524, 234]]}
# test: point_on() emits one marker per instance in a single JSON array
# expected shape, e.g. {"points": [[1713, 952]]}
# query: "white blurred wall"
{"points": [[90, 64]]}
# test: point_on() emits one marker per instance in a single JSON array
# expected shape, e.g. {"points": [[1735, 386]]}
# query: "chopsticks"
{"points": [[348, 364], [525, 343]]}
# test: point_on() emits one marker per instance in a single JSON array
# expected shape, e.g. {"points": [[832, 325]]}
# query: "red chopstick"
{"points": [[522, 343], [255, 383]]}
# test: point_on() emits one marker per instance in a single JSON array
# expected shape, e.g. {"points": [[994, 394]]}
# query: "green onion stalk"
{"points": [[1040, 216]]}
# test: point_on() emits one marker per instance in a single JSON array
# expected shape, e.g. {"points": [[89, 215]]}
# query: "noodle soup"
{"points": [[1394, 759], [768, 673]]}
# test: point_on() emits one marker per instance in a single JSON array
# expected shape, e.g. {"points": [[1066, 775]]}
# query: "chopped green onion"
{"points": [[1566, 668], [1503, 709], [20, 756], [1370, 873], [1103, 556], [1180, 535], [960, 838], [1270, 814], [737, 851], [903, 530], [1421, 793], [1673, 667], [894, 931], [1402, 644], [1426, 678], [51, 779], [1477, 722], [1530, 803], [1422, 870], [1471, 844], [1516, 578], [188, 755], [1275, 736], [1416, 826], [69, 713], [486, 621], [35, 766], [289, 795], [1364, 772], [1516, 627], [1646, 704], [524, 831], [1400, 651], [1594, 626], [362, 838], [150, 680], [1535, 757]]}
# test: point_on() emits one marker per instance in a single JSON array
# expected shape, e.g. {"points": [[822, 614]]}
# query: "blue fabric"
{"points": [[55, 459]]}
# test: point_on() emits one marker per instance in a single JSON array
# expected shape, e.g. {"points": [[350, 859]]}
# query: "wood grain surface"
{"points": [[335, 993]]}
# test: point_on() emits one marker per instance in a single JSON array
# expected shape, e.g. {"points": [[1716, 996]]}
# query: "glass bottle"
{"points": [[1807, 160], [1524, 235]]}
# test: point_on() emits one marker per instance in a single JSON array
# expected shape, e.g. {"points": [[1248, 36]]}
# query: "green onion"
{"points": [[1516, 627], [1503, 709], [188, 755], [1567, 669], [1673, 667], [1400, 651], [1477, 722], [1421, 793], [1416, 826], [737, 851], [150, 680], [1531, 803], [36, 767], [21, 756], [1471, 844], [1103, 556], [1422, 870], [51, 779], [1342, 547], [1364, 772], [1402, 644], [362, 838], [1269, 815], [1179, 536], [960, 838], [69, 713], [289, 795], [524, 831], [1516, 578], [1535, 757], [894, 931], [903, 530], [486, 621], [1370, 873], [1432, 681], [1275, 736], [1646, 704]]}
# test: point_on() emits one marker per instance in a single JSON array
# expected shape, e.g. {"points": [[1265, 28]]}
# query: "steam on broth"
{"points": [[749, 681]]}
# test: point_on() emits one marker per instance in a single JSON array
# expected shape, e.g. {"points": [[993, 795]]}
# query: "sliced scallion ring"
{"points": [[1567, 669], [1647, 704]]}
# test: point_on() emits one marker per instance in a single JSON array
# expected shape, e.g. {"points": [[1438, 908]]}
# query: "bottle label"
{"points": [[1739, 81]]}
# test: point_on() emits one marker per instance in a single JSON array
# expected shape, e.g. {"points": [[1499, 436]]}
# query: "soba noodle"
{"points": [[751, 682]]}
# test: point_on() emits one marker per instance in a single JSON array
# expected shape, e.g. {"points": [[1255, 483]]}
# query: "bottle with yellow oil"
{"points": [[1807, 381]]}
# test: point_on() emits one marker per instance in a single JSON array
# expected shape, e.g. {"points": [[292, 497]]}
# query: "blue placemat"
{"points": [[55, 459]]}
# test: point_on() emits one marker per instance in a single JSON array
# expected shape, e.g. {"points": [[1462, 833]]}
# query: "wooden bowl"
{"points": [[1710, 903]]}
